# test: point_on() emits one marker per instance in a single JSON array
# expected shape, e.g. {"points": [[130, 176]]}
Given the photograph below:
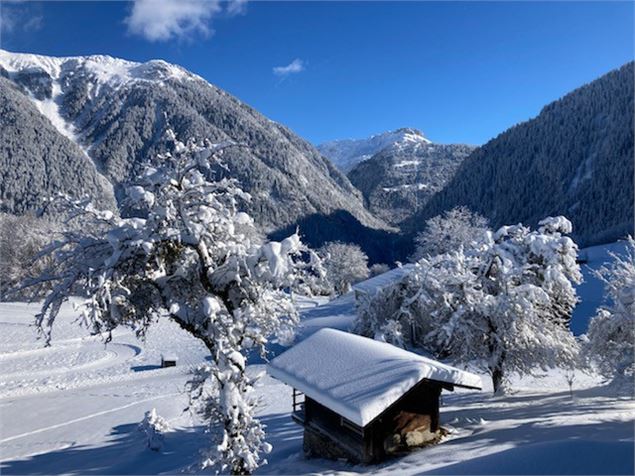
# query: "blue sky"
{"points": [[459, 71]]}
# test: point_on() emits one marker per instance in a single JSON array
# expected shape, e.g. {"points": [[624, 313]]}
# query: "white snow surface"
{"points": [[74, 408], [358, 377], [50, 108]]}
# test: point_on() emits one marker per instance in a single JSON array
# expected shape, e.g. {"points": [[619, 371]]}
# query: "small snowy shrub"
{"points": [[611, 335], [191, 255], [345, 264], [505, 302], [154, 427]]}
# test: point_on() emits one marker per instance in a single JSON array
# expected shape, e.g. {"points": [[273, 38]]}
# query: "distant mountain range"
{"points": [[88, 124], [399, 180], [397, 171], [574, 159], [347, 153]]}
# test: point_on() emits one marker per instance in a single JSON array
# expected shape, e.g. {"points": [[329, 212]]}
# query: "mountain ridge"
{"points": [[347, 153], [116, 112], [397, 181], [575, 158]]}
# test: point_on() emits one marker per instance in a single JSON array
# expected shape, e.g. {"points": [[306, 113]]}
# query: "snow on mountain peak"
{"points": [[347, 153], [47, 78], [105, 70], [404, 136]]}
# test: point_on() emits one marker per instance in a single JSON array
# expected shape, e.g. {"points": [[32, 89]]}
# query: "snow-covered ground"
{"points": [[74, 408]]}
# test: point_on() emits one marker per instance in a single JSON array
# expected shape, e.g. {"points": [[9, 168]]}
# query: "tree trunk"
{"points": [[239, 468], [497, 357], [497, 378]]}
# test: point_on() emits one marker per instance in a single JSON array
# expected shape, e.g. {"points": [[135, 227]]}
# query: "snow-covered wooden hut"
{"points": [[168, 360], [361, 399]]}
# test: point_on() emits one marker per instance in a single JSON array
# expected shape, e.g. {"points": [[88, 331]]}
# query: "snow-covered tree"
{"points": [[377, 269], [611, 335], [346, 264], [187, 255], [380, 315], [503, 303], [447, 232], [313, 281], [154, 427]]}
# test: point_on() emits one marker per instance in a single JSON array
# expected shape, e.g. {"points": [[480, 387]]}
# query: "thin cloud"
{"points": [[7, 22], [17, 16], [163, 20], [236, 7], [296, 66], [34, 23]]}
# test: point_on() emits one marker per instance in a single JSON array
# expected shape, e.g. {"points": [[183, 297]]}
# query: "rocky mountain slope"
{"points": [[402, 177], [347, 153], [575, 158], [104, 117]]}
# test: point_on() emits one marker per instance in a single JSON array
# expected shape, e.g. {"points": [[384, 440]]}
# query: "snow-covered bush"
{"points": [[185, 255], [377, 269], [154, 427], [444, 233], [611, 335], [346, 264], [504, 303], [393, 314], [314, 280]]}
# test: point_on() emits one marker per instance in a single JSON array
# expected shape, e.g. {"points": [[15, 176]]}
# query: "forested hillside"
{"points": [[399, 180], [574, 159], [110, 115], [36, 161]]}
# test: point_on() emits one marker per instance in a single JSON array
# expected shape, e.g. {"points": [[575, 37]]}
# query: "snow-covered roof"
{"points": [[358, 377], [374, 284]]}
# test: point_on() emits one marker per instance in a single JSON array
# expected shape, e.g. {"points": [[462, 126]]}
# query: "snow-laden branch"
{"points": [[611, 336], [505, 301]]}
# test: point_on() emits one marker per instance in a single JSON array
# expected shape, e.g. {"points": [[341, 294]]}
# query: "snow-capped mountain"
{"points": [[401, 178], [574, 159], [347, 153], [397, 171], [87, 124]]}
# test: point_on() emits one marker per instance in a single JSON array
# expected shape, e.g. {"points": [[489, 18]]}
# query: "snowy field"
{"points": [[74, 408]]}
